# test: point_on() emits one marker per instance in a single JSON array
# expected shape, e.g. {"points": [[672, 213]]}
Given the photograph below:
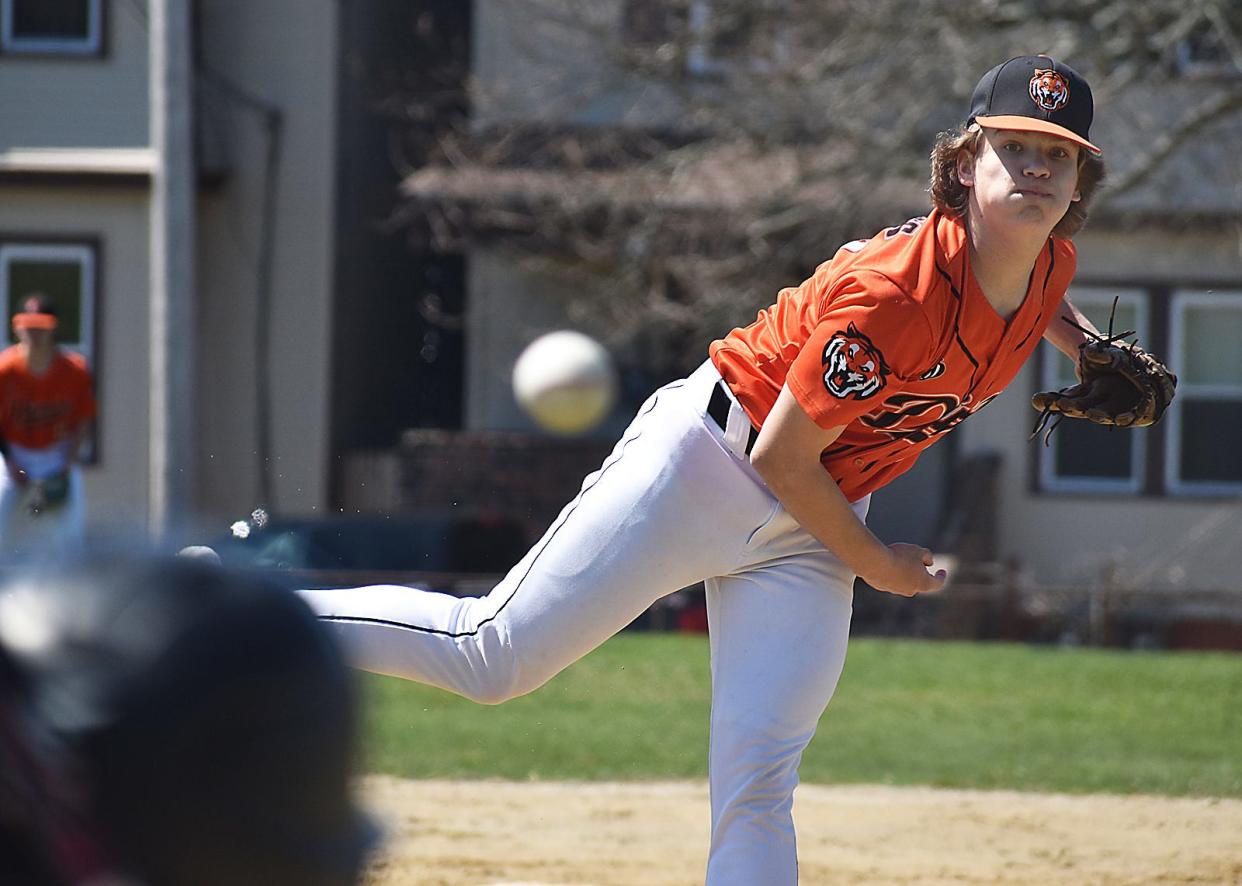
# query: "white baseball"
{"points": [[565, 381]]}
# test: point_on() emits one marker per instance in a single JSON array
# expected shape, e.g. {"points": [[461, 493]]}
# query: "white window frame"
{"points": [[1181, 300], [81, 254], [1049, 479], [15, 44]]}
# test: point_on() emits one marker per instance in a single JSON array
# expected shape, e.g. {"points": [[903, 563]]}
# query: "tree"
{"points": [[749, 137]]}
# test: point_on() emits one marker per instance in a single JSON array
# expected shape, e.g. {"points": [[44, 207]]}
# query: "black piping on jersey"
{"points": [[969, 356], [359, 619], [957, 334], [1052, 261]]}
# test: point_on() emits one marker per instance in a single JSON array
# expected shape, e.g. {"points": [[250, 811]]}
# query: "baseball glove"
{"points": [[1120, 385], [48, 494]]}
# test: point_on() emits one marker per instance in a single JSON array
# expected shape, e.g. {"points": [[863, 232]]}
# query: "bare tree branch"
{"points": [[683, 159], [1167, 143]]}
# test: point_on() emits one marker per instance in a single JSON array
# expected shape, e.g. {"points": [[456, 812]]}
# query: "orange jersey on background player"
{"points": [[893, 339], [39, 411]]}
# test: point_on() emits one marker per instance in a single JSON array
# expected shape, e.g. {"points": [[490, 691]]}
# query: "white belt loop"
{"points": [[737, 433]]}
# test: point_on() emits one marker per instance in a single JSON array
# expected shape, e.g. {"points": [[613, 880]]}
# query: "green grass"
{"points": [[906, 712]]}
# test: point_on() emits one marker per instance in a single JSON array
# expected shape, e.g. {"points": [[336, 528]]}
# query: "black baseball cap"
{"points": [[1035, 93]]}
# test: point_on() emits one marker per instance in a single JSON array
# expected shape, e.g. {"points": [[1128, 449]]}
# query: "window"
{"points": [[1205, 420], [63, 271], [1194, 449], [66, 273], [1082, 457], [51, 27]]}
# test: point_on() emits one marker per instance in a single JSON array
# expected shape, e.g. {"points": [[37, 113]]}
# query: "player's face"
{"points": [[1026, 178]]}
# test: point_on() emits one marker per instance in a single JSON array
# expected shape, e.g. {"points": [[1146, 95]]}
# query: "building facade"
{"points": [[322, 336]]}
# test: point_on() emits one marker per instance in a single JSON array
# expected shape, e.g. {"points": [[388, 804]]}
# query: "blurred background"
{"points": [[302, 242]]}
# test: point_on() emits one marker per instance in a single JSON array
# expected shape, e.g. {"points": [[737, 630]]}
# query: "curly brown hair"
{"points": [[951, 196]]}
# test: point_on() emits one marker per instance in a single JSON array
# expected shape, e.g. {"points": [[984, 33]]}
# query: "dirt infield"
{"points": [[642, 834]]}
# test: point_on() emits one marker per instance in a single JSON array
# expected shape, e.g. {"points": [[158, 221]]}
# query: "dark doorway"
{"points": [[398, 343]]}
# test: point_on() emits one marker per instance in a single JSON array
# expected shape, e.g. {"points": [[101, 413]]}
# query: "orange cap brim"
{"points": [[34, 321], [1031, 124]]}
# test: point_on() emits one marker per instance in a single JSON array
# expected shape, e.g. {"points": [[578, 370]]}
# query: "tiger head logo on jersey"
{"points": [[1049, 90], [853, 366]]}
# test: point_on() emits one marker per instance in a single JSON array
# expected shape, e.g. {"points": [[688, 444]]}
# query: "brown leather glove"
{"points": [[1121, 385]]}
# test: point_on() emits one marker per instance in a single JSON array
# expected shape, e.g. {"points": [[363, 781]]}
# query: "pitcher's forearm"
{"points": [[787, 456], [1063, 332], [813, 498]]}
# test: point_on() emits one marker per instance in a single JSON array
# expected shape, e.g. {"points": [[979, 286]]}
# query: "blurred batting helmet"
{"points": [[176, 724]]}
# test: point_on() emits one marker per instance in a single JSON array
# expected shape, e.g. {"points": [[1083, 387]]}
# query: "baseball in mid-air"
{"points": [[565, 381]]}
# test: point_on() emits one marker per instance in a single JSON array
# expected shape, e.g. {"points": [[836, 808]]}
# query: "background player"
{"points": [[754, 474], [46, 409]]}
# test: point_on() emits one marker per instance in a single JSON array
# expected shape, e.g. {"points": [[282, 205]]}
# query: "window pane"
{"points": [[62, 280], [51, 18], [1211, 440], [1087, 450], [1211, 346]]}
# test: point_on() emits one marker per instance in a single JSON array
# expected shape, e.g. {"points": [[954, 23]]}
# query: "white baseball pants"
{"points": [[672, 505], [50, 534]]}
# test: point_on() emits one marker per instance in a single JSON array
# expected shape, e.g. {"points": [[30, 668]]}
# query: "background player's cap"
{"points": [[37, 311], [1035, 93]]}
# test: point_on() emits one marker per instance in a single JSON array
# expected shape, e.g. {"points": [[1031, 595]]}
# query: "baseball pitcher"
{"points": [[754, 473]]}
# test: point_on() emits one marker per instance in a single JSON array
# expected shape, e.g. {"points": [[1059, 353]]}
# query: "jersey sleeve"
{"points": [[870, 337]]}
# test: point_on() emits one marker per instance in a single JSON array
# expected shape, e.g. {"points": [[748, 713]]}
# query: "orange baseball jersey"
{"points": [[893, 339], [38, 411]]}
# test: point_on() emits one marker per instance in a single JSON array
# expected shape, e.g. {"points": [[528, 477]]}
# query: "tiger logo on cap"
{"points": [[1049, 90], [853, 366]]}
